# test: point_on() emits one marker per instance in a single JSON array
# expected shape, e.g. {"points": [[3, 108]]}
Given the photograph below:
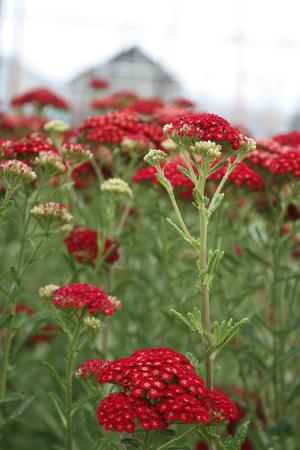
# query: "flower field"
{"points": [[149, 278]]}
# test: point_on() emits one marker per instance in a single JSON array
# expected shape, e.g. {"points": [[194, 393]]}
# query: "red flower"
{"points": [[83, 175], [99, 83], [168, 114], [286, 163], [83, 244], [241, 175], [42, 96], [112, 128], [117, 412], [183, 102], [83, 295], [146, 107], [29, 148], [205, 127], [291, 139], [166, 382]]}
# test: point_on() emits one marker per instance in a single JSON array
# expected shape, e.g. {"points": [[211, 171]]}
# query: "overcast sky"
{"points": [[221, 49]]}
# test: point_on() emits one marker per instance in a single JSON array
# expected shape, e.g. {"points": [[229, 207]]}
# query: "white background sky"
{"points": [[196, 40]]}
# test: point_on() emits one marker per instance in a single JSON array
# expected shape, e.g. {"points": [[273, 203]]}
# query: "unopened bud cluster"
{"points": [[51, 212], [116, 186], [49, 163], [207, 149], [154, 157], [92, 323], [14, 173], [248, 145], [77, 153], [47, 290], [56, 126], [115, 301], [133, 144]]}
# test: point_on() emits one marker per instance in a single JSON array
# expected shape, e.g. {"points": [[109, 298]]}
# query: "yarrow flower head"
{"points": [[154, 157], [77, 153], [56, 126], [41, 97], [83, 296], [51, 214], [14, 173], [47, 290], [207, 150], [82, 242], [159, 386], [99, 83], [92, 322], [113, 128], [193, 127], [49, 164], [116, 187]]}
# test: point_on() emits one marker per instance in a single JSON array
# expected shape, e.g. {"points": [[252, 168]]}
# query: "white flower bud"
{"points": [[116, 186]]}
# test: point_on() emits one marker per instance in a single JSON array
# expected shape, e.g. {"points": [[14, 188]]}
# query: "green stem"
{"points": [[10, 329], [69, 386], [209, 361], [178, 438], [175, 206]]}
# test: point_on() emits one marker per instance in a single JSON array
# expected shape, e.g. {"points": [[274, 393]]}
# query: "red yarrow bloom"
{"points": [[83, 244], [83, 295], [112, 128], [291, 139], [208, 127], [286, 163], [183, 102], [41, 96], [147, 106], [242, 175], [99, 83], [167, 384], [118, 412]]}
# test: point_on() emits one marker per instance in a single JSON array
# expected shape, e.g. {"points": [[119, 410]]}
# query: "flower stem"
{"points": [[69, 386], [205, 296], [178, 438]]}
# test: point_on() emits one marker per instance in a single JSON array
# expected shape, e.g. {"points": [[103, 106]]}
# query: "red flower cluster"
{"points": [[83, 244], [146, 107], [118, 100], [118, 411], [83, 295], [241, 175], [206, 127], [99, 83], [168, 114], [42, 96], [183, 102], [286, 163], [112, 128], [10, 123], [27, 149], [291, 139], [165, 382]]}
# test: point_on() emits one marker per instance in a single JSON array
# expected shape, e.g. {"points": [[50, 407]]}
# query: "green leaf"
{"points": [[236, 442], [185, 172], [59, 408], [11, 398], [199, 367], [18, 412], [55, 375], [224, 331]]}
